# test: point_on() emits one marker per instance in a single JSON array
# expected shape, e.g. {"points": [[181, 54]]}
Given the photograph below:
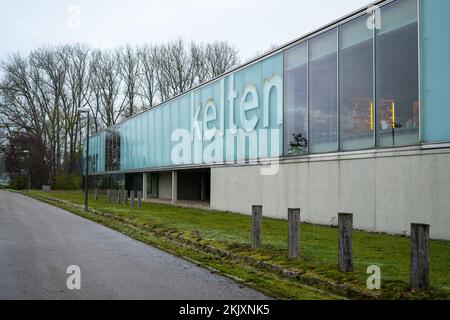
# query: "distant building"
{"points": [[355, 117]]}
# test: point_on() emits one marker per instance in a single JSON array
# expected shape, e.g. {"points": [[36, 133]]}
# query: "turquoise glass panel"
{"points": [[247, 105], [435, 59], [96, 153]]}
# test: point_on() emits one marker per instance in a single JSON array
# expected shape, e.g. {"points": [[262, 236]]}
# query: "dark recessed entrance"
{"points": [[133, 181], [194, 184]]}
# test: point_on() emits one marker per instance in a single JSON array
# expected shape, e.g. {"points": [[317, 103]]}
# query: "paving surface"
{"points": [[38, 242]]}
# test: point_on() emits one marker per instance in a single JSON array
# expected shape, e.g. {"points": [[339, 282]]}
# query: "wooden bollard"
{"points": [[96, 193], [293, 233], [108, 195], [125, 197], [139, 195], [345, 226], [132, 199], [420, 259], [115, 196], [256, 226]]}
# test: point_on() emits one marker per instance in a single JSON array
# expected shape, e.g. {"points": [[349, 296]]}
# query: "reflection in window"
{"points": [[397, 75], [112, 152], [357, 110], [323, 93], [296, 100]]}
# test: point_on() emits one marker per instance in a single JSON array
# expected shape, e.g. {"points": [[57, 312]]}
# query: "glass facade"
{"points": [[346, 111], [296, 100], [357, 109], [397, 78], [240, 111], [96, 153], [351, 87], [323, 92], [112, 150]]}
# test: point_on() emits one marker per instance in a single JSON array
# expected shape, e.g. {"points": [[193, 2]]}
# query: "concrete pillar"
{"points": [[174, 187], [144, 186]]}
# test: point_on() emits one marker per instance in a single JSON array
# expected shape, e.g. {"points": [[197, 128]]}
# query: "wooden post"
{"points": [[256, 226], [139, 195], [115, 196], [96, 193], [125, 197], [119, 196], [345, 221], [108, 195], [420, 260], [293, 233], [132, 199]]}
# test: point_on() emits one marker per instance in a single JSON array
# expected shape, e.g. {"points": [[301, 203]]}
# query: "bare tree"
{"points": [[128, 64], [76, 96], [147, 76], [40, 94], [220, 57], [180, 67], [105, 83], [22, 100], [49, 66], [174, 69]]}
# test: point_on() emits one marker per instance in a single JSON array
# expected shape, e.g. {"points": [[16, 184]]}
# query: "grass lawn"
{"points": [[319, 247]]}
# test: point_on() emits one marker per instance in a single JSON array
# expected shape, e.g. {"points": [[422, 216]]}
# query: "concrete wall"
{"points": [[165, 185], [386, 190]]}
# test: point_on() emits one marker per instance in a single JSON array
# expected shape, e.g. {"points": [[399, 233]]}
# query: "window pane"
{"points": [[112, 152], [323, 93], [296, 100], [357, 110], [397, 75], [435, 71]]}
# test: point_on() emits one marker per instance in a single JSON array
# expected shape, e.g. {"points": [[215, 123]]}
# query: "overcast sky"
{"points": [[250, 25]]}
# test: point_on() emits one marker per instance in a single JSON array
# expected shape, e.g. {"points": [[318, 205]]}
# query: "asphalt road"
{"points": [[38, 242]]}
